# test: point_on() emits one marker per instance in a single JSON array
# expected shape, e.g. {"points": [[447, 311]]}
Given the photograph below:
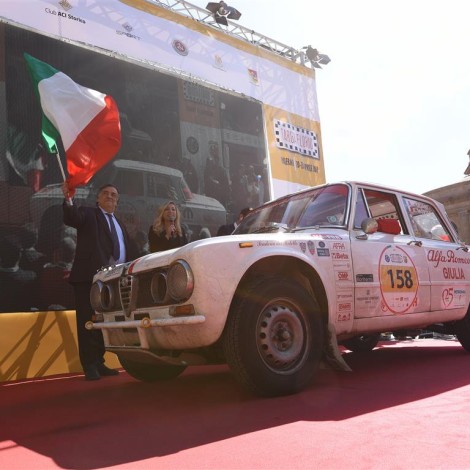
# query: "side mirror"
{"points": [[369, 225]]}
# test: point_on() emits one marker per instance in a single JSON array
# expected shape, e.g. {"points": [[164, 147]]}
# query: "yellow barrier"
{"points": [[38, 344]]}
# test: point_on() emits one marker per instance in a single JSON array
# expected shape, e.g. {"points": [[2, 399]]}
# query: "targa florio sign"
{"points": [[296, 139]]}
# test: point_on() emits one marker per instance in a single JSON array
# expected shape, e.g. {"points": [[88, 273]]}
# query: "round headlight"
{"points": [[180, 281], [158, 287], [101, 296]]}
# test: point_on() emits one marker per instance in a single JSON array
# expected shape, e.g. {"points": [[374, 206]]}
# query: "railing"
{"points": [[234, 29]]}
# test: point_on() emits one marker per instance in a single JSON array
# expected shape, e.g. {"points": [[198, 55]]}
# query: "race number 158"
{"points": [[400, 278]]}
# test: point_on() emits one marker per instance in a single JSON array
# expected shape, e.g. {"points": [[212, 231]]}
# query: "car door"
{"points": [[391, 274], [448, 260]]}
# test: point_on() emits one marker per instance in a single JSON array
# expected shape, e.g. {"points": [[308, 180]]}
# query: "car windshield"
{"points": [[322, 207]]}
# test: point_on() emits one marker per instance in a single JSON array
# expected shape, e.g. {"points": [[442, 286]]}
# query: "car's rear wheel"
{"points": [[462, 331], [362, 343], [273, 339], [150, 372]]}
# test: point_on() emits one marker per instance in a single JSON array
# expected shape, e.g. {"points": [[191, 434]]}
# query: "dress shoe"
{"points": [[104, 371], [91, 372]]}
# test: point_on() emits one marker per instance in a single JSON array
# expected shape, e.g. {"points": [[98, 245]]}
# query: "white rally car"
{"points": [[335, 264]]}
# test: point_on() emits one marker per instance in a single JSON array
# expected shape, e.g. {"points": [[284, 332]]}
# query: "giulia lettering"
{"points": [[453, 273]]}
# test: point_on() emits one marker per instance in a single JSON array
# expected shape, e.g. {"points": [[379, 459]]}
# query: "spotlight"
{"points": [[315, 57], [221, 12]]}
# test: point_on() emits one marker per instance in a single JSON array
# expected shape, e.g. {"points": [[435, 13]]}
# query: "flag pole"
{"points": [[61, 166], [59, 161]]}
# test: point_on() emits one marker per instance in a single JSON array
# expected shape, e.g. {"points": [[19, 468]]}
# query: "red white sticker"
{"points": [[453, 297], [398, 280]]}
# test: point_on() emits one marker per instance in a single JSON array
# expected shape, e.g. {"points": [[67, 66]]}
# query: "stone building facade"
{"points": [[456, 199]]}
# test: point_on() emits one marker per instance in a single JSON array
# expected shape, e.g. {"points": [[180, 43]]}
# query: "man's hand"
{"points": [[68, 192], [65, 190]]}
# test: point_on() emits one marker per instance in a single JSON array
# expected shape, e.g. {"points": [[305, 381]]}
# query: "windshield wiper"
{"points": [[314, 227], [271, 228]]}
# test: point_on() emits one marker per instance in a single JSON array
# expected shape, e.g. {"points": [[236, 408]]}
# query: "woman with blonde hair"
{"points": [[166, 233]]}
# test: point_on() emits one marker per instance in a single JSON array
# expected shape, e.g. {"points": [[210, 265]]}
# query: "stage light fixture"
{"points": [[315, 57], [221, 12]]}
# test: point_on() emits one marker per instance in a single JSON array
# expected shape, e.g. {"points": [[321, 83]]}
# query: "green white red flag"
{"points": [[86, 120]]}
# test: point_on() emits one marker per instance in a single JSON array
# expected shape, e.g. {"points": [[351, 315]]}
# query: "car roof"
{"points": [[354, 184], [144, 166]]}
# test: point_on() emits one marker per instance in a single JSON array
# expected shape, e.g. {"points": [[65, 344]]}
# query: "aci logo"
{"points": [[65, 5]]}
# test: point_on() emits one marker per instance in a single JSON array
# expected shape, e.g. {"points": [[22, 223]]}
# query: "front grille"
{"points": [[125, 292]]}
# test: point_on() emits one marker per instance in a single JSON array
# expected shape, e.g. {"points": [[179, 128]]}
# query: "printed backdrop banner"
{"points": [[143, 31]]}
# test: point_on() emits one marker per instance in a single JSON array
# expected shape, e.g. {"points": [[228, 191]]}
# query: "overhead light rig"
{"points": [[207, 16]]}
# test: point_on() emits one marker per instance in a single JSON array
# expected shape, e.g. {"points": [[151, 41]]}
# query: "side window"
{"points": [[161, 186], [384, 207], [130, 183], [425, 221]]}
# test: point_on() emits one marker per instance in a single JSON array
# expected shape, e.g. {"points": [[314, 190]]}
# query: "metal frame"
{"points": [[234, 29]]}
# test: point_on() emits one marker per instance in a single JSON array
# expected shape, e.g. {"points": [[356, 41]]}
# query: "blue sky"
{"points": [[395, 99]]}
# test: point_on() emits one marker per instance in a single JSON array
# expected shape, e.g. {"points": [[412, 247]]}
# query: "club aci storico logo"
{"points": [[63, 12], [180, 47], [127, 31]]}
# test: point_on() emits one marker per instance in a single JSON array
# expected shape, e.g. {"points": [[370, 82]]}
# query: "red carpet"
{"points": [[405, 406]]}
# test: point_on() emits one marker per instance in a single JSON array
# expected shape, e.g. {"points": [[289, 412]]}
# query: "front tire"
{"points": [[274, 338], [150, 372]]}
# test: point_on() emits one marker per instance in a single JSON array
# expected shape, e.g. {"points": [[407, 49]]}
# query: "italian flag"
{"points": [[86, 120]]}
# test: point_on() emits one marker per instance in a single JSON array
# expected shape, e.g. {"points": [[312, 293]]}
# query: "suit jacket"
{"points": [[225, 229], [94, 244]]}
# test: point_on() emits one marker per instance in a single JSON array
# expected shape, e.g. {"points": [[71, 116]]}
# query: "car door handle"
{"points": [[415, 242]]}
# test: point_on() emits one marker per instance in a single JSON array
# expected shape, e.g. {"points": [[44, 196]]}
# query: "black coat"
{"points": [[159, 242], [94, 245]]}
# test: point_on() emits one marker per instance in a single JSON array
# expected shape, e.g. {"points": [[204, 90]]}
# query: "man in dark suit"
{"points": [[101, 241], [229, 228]]}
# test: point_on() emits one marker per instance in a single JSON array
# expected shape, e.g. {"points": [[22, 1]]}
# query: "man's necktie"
{"points": [[114, 237]]}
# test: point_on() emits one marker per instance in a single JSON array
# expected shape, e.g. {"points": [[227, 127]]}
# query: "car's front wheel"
{"points": [[273, 339], [150, 372]]}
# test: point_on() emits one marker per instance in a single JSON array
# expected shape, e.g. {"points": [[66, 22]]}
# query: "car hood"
{"points": [[205, 202]]}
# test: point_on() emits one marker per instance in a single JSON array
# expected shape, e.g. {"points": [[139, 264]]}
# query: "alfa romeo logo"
{"points": [[180, 47]]}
